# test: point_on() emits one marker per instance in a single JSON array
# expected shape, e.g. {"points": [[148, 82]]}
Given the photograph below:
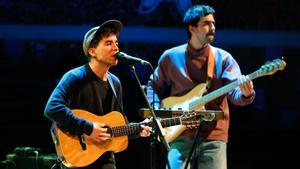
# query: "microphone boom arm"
{"points": [[130, 59]]}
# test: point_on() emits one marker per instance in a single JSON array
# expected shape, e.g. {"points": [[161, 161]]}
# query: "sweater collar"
{"points": [[196, 53]]}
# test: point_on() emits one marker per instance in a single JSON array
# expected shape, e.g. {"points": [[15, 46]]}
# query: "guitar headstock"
{"points": [[187, 116], [192, 118], [273, 66]]}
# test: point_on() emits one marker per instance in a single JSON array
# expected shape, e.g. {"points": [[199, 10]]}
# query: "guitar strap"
{"points": [[210, 67]]}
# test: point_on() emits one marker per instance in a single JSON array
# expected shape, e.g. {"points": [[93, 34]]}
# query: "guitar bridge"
{"points": [[109, 131], [82, 142]]}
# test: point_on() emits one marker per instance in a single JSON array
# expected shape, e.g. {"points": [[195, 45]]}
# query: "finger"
{"points": [[241, 80], [106, 135], [251, 84], [102, 139], [145, 133], [247, 78], [248, 85], [102, 128], [100, 124], [147, 128]]}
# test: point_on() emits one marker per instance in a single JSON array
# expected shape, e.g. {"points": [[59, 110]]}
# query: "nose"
{"points": [[212, 26], [115, 46]]}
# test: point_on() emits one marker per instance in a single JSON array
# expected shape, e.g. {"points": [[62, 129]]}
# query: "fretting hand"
{"points": [[246, 86], [146, 129]]}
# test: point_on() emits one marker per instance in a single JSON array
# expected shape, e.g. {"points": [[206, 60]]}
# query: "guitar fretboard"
{"points": [[135, 128], [219, 92]]}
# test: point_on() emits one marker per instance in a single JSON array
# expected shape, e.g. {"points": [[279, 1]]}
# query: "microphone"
{"points": [[130, 59]]}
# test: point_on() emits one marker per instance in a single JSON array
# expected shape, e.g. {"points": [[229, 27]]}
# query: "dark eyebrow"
{"points": [[207, 21]]}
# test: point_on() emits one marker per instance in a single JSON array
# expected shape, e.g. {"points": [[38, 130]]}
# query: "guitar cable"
{"points": [[57, 164], [36, 158]]}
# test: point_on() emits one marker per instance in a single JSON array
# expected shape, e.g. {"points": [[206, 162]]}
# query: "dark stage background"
{"points": [[41, 40]]}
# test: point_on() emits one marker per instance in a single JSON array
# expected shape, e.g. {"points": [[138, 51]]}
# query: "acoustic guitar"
{"points": [[75, 151]]}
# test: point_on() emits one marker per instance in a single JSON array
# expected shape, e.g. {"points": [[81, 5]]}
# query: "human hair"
{"points": [[193, 15]]}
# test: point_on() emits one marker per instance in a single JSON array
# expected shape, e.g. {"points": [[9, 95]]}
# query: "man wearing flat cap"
{"points": [[84, 93]]}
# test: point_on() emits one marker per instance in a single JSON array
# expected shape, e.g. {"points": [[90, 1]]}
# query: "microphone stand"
{"points": [[191, 151], [196, 138], [157, 125]]}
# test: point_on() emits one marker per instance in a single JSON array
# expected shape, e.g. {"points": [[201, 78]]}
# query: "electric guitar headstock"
{"points": [[270, 67], [193, 119]]}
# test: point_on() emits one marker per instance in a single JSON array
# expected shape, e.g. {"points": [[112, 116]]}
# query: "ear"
{"points": [[191, 29], [91, 51]]}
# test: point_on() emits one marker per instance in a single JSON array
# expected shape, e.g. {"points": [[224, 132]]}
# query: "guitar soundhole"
{"points": [[109, 130]]}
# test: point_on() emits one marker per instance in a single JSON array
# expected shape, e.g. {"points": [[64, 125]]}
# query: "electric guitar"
{"points": [[194, 100], [75, 151]]}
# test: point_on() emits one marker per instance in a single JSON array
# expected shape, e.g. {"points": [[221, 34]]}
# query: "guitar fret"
{"points": [[177, 121], [164, 122], [122, 130], [115, 131], [219, 92], [126, 130], [170, 121], [131, 129]]}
